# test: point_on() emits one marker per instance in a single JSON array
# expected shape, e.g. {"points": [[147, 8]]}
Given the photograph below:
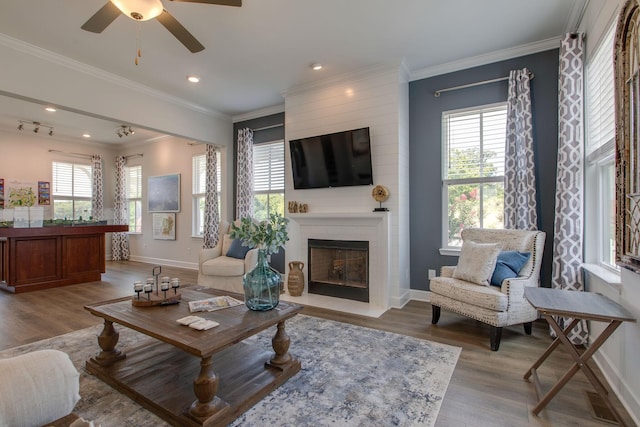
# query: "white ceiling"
{"points": [[256, 52]]}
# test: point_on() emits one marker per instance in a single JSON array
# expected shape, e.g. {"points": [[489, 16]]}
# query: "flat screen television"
{"points": [[334, 160]]}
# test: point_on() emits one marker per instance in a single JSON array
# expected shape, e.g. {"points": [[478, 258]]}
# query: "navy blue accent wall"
{"points": [[425, 149], [266, 135]]}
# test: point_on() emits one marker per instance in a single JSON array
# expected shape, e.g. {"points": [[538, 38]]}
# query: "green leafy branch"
{"points": [[270, 234]]}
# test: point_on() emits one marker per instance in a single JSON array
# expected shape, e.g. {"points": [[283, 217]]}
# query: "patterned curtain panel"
{"points": [[520, 209], [96, 188], [567, 241], [211, 216], [120, 241], [244, 188]]}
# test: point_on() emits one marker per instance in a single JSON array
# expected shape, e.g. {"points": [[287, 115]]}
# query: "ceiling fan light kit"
{"points": [[145, 10]]}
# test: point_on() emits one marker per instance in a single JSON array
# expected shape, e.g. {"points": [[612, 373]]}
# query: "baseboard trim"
{"points": [[418, 295], [167, 262], [619, 386]]}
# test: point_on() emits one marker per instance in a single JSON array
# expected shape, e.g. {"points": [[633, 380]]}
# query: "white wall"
{"points": [[377, 99], [618, 357], [168, 156]]}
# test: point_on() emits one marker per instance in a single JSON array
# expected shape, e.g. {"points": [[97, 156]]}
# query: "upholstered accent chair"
{"points": [[223, 266], [497, 306]]}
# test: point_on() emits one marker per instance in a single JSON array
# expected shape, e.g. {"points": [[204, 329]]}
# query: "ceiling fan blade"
{"points": [[179, 32], [237, 3], [102, 18]]}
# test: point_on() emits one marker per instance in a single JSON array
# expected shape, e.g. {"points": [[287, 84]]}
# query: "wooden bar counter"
{"points": [[40, 258]]}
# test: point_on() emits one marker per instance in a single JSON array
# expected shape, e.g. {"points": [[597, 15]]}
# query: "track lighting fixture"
{"points": [[36, 126], [124, 130]]}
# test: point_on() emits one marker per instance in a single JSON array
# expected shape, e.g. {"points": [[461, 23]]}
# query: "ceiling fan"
{"points": [[144, 10]]}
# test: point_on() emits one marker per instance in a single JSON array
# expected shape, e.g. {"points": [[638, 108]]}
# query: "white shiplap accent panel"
{"points": [[372, 100]]}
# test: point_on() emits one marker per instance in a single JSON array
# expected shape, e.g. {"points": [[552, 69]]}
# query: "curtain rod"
{"points": [[268, 127], [484, 82], [133, 155], [88, 156]]}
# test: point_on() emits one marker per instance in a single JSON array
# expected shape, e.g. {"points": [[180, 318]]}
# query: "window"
{"points": [[199, 182], [600, 164], [473, 169], [134, 197], [72, 188], [268, 179]]}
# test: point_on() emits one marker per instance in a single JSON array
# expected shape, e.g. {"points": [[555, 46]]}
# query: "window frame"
{"points": [[129, 199], [57, 197], [600, 152], [446, 248], [197, 212], [276, 176]]}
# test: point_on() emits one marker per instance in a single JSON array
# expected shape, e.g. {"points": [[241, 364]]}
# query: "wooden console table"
{"points": [[40, 258], [577, 306]]}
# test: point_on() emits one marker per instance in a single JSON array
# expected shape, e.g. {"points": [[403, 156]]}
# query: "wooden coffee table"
{"points": [[190, 377]]}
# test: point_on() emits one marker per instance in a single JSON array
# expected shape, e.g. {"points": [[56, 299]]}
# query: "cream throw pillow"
{"points": [[477, 262]]}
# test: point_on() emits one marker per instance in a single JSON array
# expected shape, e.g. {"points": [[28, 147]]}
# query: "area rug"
{"points": [[350, 376]]}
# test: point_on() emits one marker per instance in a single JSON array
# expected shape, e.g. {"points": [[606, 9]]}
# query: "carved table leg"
{"points": [[107, 340], [205, 387], [280, 344]]}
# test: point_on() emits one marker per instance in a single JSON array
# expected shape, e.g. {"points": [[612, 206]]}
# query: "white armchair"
{"points": [[217, 270], [497, 306]]}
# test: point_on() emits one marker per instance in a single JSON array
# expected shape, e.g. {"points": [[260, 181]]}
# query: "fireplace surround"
{"points": [[372, 227]]}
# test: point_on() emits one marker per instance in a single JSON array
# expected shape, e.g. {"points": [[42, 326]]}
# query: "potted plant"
{"points": [[262, 284]]}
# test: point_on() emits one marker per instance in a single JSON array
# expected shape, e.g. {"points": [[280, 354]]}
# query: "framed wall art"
{"points": [[163, 193], [164, 226]]}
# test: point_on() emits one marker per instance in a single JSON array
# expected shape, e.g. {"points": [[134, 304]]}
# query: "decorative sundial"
{"points": [[380, 194]]}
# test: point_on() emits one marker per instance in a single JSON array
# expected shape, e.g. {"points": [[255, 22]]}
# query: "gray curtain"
{"points": [[567, 241], [520, 208], [120, 241], [211, 210], [96, 188], [244, 172]]}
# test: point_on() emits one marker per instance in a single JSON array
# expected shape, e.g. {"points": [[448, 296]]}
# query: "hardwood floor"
{"points": [[487, 388]]}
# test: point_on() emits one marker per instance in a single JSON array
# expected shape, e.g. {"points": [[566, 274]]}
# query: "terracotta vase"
{"points": [[295, 282]]}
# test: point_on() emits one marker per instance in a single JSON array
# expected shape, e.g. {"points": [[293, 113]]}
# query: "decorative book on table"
{"points": [[212, 304]]}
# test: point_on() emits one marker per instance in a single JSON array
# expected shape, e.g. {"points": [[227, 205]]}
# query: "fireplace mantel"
{"points": [[374, 227]]}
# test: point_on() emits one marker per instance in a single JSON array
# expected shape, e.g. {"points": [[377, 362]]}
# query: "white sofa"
{"points": [[219, 271], [497, 306], [37, 388]]}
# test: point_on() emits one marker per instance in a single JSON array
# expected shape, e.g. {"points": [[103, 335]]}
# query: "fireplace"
{"points": [[339, 268]]}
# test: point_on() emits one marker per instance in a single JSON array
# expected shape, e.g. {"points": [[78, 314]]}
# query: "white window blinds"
{"points": [[268, 167], [199, 177], [474, 142], [134, 182], [199, 181], [600, 95], [71, 180]]}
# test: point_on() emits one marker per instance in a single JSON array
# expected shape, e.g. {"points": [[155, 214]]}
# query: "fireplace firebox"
{"points": [[339, 268]]}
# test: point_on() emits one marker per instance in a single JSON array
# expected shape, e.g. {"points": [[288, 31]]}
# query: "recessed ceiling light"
{"points": [[86, 135], [193, 79], [316, 67], [51, 109]]}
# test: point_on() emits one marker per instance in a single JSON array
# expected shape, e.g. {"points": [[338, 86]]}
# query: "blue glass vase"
{"points": [[261, 285]]}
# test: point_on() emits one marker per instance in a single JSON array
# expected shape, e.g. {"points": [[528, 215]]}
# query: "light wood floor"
{"points": [[487, 388]]}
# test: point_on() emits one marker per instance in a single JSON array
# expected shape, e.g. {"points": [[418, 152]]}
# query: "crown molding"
{"points": [[98, 73], [347, 77], [489, 58], [263, 112]]}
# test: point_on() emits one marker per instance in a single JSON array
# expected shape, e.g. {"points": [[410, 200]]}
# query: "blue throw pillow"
{"points": [[236, 250], [508, 265]]}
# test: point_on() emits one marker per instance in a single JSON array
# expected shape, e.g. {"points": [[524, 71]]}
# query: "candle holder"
{"points": [[157, 290], [137, 288]]}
